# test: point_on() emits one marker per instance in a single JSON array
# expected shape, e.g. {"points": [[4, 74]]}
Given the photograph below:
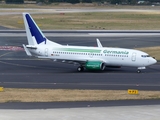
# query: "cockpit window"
{"points": [[144, 56]]}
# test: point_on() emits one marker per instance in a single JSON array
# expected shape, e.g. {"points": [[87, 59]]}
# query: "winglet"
{"points": [[99, 43]]}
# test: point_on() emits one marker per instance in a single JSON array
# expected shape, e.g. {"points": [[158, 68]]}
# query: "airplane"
{"points": [[88, 58]]}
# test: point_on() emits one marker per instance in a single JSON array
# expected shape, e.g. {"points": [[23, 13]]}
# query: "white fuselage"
{"points": [[110, 56]]}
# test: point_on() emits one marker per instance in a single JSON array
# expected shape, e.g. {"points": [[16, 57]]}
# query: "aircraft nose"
{"points": [[153, 61]]}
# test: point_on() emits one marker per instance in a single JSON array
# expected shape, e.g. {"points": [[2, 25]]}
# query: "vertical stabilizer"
{"points": [[34, 34]]}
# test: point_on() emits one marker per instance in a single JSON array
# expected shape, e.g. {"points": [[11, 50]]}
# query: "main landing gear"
{"points": [[138, 71], [80, 69]]}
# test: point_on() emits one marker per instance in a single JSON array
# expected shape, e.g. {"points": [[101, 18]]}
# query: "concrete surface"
{"points": [[146, 112]]}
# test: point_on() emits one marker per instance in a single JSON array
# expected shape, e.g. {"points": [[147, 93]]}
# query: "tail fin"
{"points": [[34, 34]]}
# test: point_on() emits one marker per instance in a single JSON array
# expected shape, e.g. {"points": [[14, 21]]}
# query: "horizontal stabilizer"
{"points": [[27, 51], [31, 47]]}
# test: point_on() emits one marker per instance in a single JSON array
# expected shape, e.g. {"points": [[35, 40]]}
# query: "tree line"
{"points": [[132, 2]]}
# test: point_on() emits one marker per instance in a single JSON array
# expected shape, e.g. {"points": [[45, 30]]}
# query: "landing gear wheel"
{"points": [[138, 71], [80, 69]]}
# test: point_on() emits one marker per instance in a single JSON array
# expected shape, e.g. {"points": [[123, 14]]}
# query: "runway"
{"points": [[20, 71], [80, 104]]}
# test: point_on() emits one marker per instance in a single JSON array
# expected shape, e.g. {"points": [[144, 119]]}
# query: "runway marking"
{"points": [[5, 54], [12, 63], [91, 84], [20, 65], [16, 64]]}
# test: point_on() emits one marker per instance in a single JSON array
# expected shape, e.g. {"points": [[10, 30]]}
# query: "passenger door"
{"points": [[133, 57], [46, 52]]}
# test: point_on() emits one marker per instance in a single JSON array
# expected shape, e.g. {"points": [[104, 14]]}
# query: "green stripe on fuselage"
{"points": [[78, 50]]}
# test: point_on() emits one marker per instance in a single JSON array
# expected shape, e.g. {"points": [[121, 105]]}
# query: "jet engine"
{"points": [[95, 65]]}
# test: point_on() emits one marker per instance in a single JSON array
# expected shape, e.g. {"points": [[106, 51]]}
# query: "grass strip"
{"points": [[89, 21], [55, 95], [78, 5]]}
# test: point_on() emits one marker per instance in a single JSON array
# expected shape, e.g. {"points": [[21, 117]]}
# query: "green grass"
{"points": [[91, 21], [55, 95], [80, 5]]}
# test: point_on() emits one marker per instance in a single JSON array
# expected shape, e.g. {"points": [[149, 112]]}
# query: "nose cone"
{"points": [[153, 61]]}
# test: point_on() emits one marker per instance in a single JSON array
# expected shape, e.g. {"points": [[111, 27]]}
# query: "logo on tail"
{"points": [[34, 30], [34, 34]]}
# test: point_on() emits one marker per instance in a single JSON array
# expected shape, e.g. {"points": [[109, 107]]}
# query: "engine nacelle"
{"points": [[95, 65]]}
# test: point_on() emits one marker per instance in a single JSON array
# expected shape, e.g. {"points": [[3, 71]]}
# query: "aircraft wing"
{"points": [[73, 61]]}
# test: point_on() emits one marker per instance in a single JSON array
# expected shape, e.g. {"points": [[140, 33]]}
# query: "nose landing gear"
{"points": [[140, 68]]}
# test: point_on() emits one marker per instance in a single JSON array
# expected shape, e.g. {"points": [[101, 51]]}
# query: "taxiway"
{"points": [[20, 71]]}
